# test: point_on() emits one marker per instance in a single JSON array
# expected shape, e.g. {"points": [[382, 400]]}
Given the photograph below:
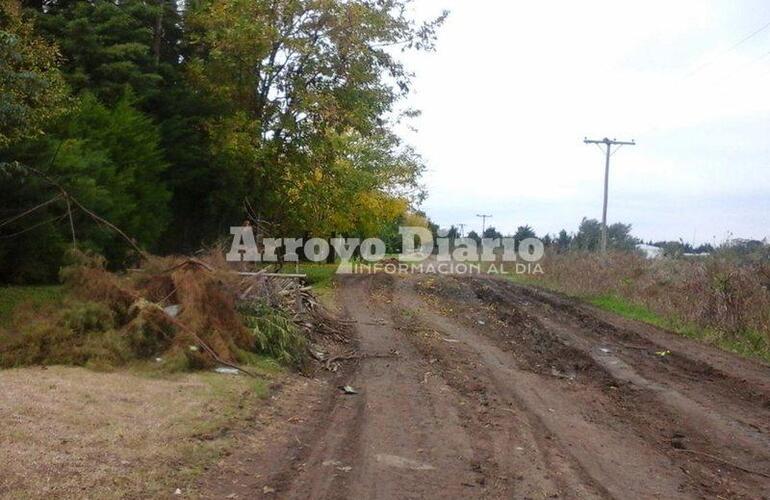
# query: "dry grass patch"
{"points": [[724, 301], [71, 432]]}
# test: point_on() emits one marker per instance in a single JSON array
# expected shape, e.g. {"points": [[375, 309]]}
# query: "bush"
{"points": [[276, 335]]}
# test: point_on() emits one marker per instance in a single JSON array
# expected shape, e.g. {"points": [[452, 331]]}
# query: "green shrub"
{"points": [[85, 317], [276, 335]]}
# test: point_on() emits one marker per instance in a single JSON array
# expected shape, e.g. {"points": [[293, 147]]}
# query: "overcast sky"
{"points": [[515, 86]]}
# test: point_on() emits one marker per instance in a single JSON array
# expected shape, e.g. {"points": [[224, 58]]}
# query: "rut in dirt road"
{"points": [[473, 387], [701, 418], [399, 437]]}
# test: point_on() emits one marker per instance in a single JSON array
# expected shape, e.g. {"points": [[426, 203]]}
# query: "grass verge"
{"points": [[629, 310], [747, 343]]}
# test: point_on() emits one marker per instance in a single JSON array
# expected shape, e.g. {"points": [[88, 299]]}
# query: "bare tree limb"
{"points": [[77, 203], [31, 210]]}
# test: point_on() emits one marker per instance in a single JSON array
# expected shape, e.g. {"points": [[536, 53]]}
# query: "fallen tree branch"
{"points": [[273, 275], [112, 226], [351, 356], [27, 229], [203, 345], [211, 351], [31, 210]]}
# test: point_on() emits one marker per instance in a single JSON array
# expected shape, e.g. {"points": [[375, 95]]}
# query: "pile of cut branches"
{"points": [[186, 313]]}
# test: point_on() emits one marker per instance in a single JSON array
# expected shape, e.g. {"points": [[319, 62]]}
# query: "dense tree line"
{"points": [[586, 238], [170, 118]]}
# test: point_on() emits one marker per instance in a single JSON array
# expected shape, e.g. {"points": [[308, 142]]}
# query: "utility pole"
{"points": [[484, 218], [462, 229], [608, 144]]}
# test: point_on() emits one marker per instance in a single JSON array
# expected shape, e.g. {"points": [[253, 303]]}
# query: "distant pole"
{"points": [[608, 144], [462, 229], [484, 218]]}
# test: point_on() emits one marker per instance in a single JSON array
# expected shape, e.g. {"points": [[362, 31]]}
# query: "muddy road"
{"points": [[479, 388]]}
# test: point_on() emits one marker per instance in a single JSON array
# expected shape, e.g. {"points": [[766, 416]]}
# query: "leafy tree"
{"points": [[391, 236], [563, 241], [110, 160], [491, 232], [32, 90], [619, 237], [589, 236], [706, 248], [131, 142], [111, 45], [356, 193], [453, 233], [522, 233], [207, 188], [286, 106], [308, 84]]}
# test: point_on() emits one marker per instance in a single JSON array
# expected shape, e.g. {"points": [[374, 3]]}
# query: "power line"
{"points": [[750, 36], [727, 51]]}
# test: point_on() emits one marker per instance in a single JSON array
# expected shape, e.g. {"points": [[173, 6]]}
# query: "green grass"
{"points": [[629, 310], [13, 296], [748, 343], [320, 276]]}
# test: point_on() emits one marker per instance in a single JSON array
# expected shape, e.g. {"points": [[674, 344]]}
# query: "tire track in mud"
{"points": [[704, 397], [680, 364], [653, 411], [520, 450], [411, 439], [580, 434]]}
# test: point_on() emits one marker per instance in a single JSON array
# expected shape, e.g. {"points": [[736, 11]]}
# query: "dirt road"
{"points": [[481, 388]]}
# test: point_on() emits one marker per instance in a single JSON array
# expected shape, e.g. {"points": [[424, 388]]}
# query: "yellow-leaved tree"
{"points": [[310, 86]]}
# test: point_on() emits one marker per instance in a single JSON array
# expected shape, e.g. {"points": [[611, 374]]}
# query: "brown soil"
{"points": [[476, 387]]}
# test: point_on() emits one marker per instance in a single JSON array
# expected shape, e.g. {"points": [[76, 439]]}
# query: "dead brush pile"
{"points": [[729, 298], [178, 312]]}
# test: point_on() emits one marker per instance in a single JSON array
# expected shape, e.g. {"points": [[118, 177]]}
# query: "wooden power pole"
{"points": [[608, 152], [484, 218]]}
